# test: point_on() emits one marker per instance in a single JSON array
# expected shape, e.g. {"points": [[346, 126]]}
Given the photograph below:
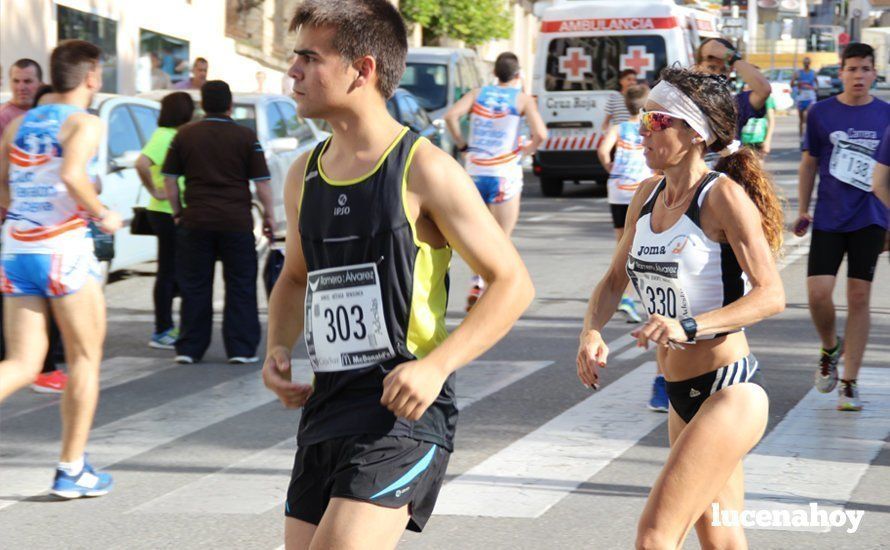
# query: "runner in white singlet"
{"points": [[494, 150], [699, 247], [47, 253]]}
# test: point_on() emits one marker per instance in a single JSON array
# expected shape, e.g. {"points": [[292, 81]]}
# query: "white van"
{"points": [[582, 47]]}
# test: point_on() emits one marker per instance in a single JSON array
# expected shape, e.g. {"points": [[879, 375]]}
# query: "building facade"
{"points": [[131, 32], [246, 42]]}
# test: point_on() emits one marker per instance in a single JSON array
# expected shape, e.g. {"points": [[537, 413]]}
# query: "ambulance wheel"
{"points": [[551, 187]]}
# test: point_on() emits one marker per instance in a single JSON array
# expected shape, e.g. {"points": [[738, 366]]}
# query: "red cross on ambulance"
{"points": [[638, 59], [574, 64]]}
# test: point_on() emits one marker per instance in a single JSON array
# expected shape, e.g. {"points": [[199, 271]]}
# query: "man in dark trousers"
{"points": [[219, 159]]}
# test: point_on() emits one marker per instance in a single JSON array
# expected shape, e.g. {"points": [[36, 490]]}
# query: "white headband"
{"points": [[674, 101]]}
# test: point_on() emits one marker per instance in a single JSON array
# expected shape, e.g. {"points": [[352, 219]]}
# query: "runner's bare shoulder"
{"points": [[84, 124]]}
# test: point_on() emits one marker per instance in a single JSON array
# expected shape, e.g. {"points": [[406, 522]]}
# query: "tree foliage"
{"points": [[472, 21]]}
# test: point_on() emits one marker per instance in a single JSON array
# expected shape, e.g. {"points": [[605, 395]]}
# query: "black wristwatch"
{"points": [[736, 56], [464, 148], [690, 327]]}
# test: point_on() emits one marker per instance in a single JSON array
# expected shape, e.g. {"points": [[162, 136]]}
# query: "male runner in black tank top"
{"points": [[373, 214]]}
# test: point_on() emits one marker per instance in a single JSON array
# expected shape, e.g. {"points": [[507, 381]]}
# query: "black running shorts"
{"points": [[619, 215], [862, 248], [687, 396], [387, 471]]}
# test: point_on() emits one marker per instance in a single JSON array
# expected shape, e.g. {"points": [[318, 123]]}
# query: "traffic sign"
{"points": [[733, 32]]}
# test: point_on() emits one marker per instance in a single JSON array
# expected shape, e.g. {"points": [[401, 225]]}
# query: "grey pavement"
{"points": [[201, 454]]}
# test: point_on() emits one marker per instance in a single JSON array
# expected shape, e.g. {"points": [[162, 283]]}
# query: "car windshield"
{"points": [[828, 71], [428, 82]]}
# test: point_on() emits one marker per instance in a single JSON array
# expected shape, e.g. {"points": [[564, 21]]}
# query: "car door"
{"points": [[121, 187], [419, 121]]}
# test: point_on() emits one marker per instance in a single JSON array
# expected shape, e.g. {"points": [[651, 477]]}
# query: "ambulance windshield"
{"points": [[591, 63]]}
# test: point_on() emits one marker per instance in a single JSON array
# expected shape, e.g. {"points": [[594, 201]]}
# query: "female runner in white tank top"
{"points": [[699, 247]]}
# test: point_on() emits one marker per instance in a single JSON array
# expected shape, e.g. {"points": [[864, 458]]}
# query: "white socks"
{"points": [[72, 468]]}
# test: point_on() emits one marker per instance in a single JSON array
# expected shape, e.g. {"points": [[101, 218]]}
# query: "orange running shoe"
{"points": [[50, 382]]}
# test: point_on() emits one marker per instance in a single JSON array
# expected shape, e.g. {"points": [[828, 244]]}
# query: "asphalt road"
{"points": [[201, 454]]}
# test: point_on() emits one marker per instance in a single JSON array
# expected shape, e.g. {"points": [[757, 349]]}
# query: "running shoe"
{"points": [[659, 401], [826, 376], [164, 340], [50, 382], [848, 396], [629, 309], [243, 360], [184, 360], [473, 296], [88, 483]]}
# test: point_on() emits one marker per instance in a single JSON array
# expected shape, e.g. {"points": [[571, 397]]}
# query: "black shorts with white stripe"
{"points": [[687, 396]]}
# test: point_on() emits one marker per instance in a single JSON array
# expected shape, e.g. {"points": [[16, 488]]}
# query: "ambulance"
{"points": [[582, 47]]}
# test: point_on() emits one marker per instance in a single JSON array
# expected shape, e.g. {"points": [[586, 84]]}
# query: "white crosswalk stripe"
{"points": [[813, 444], [244, 492], [28, 472], [114, 372], [531, 475]]}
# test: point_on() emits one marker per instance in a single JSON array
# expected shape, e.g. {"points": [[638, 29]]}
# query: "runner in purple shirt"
{"points": [[881, 178], [842, 136]]}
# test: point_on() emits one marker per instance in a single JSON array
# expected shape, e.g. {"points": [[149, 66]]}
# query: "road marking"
{"points": [[29, 472], [620, 342], [818, 454], [799, 247], [577, 208], [632, 353], [114, 372], [540, 218], [149, 317], [534, 473], [258, 483]]}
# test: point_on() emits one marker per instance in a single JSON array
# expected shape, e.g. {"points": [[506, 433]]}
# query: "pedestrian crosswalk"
{"points": [[817, 455], [524, 478]]}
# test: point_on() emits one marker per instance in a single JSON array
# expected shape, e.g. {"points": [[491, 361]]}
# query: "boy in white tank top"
{"points": [[47, 253], [494, 150]]}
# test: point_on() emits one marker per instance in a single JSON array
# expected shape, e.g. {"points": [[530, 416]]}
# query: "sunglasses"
{"points": [[656, 121]]}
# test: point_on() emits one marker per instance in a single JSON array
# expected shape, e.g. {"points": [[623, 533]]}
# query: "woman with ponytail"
{"points": [[699, 247]]}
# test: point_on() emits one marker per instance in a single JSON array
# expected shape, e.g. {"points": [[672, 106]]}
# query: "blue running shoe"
{"points": [[629, 309], [164, 340], [659, 401], [88, 483]]}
